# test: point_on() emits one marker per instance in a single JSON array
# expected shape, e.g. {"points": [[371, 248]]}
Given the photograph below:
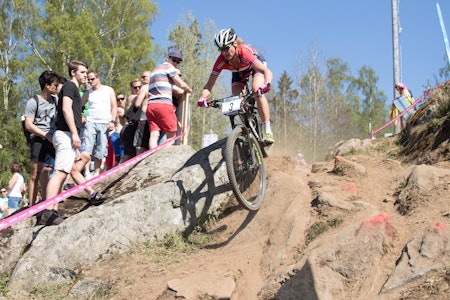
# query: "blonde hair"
{"points": [[239, 41], [133, 81]]}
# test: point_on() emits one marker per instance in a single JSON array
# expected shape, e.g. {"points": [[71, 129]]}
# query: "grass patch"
{"points": [[320, 227], [174, 247], [4, 280], [51, 291]]}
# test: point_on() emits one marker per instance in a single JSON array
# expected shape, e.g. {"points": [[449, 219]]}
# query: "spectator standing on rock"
{"points": [[115, 147], [132, 116], [40, 114], [101, 119], [142, 135], [66, 139], [161, 110]]}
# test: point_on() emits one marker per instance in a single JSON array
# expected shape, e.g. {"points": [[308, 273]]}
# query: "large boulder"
{"points": [[169, 191]]}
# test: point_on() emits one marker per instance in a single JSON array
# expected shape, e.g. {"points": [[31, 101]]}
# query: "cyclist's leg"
{"points": [[263, 108], [263, 105]]}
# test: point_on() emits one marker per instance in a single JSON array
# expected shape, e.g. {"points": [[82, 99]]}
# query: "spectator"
{"points": [[142, 135], [101, 119], [70, 183], [160, 110], [115, 148], [40, 122], [406, 95], [132, 116], [404, 92], [3, 202], [121, 102], [16, 187], [135, 87], [66, 141]]}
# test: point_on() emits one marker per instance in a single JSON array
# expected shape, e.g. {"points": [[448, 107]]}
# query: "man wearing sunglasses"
{"points": [[160, 109], [101, 119], [243, 61]]}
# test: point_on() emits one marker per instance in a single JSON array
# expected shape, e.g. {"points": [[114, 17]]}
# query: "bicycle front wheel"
{"points": [[245, 168]]}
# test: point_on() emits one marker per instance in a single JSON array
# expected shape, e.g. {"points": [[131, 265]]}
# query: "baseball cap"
{"points": [[175, 54]]}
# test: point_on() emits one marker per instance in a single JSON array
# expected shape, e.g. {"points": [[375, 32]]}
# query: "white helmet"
{"points": [[225, 37]]}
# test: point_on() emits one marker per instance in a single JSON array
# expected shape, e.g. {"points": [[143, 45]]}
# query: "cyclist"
{"points": [[243, 61]]}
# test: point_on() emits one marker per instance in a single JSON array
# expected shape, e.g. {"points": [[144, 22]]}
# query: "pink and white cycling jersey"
{"points": [[247, 56]]}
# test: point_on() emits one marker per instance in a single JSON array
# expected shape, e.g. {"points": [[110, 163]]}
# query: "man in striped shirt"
{"points": [[160, 109]]}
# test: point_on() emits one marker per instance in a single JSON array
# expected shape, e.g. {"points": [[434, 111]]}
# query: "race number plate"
{"points": [[231, 106]]}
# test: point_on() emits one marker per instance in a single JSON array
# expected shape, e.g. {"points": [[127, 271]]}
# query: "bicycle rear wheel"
{"points": [[245, 168]]}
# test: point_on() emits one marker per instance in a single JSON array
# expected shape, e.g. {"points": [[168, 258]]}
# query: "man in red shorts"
{"points": [[161, 110]]}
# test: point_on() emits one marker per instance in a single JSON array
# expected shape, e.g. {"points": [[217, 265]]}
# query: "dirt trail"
{"points": [[254, 248]]}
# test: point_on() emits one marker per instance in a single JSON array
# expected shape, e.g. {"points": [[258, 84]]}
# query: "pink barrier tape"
{"points": [[31, 211], [372, 134], [399, 115]]}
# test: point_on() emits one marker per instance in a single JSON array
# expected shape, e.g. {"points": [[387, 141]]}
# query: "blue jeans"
{"points": [[94, 139], [13, 202]]}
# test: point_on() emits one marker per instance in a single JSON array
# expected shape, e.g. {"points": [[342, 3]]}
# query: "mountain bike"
{"points": [[244, 150]]}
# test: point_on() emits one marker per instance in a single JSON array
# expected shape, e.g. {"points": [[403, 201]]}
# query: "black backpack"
{"points": [[25, 131]]}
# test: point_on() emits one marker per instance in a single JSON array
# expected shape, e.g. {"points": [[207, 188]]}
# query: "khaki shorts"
{"points": [[64, 152]]}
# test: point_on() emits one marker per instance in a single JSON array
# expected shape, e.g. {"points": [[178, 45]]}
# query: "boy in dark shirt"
{"points": [[66, 140]]}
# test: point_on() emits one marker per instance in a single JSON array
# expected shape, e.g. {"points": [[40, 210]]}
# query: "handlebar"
{"points": [[216, 102]]}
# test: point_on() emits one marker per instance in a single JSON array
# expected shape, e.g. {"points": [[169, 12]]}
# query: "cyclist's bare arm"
{"points": [[209, 85]]}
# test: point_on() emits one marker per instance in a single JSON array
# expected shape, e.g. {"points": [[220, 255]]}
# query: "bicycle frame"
{"points": [[244, 149], [248, 115]]}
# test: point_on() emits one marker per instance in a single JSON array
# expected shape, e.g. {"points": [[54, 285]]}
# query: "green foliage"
{"points": [[15, 148], [4, 280], [328, 105], [111, 36]]}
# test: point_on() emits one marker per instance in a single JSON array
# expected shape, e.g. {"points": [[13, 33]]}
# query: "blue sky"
{"points": [[358, 32]]}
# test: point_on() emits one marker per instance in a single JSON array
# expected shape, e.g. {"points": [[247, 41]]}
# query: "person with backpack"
{"points": [[40, 117], [69, 158]]}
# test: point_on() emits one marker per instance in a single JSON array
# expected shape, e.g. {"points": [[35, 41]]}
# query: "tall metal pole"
{"points": [[395, 46], [444, 33]]}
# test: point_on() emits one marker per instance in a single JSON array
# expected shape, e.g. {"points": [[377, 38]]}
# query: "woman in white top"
{"points": [[3, 202], [16, 187]]}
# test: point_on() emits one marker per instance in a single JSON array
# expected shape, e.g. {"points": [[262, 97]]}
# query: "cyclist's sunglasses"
{"points": [[225, 48]]}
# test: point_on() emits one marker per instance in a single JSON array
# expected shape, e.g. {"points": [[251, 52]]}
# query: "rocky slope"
{"points": [[370, 222]]}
